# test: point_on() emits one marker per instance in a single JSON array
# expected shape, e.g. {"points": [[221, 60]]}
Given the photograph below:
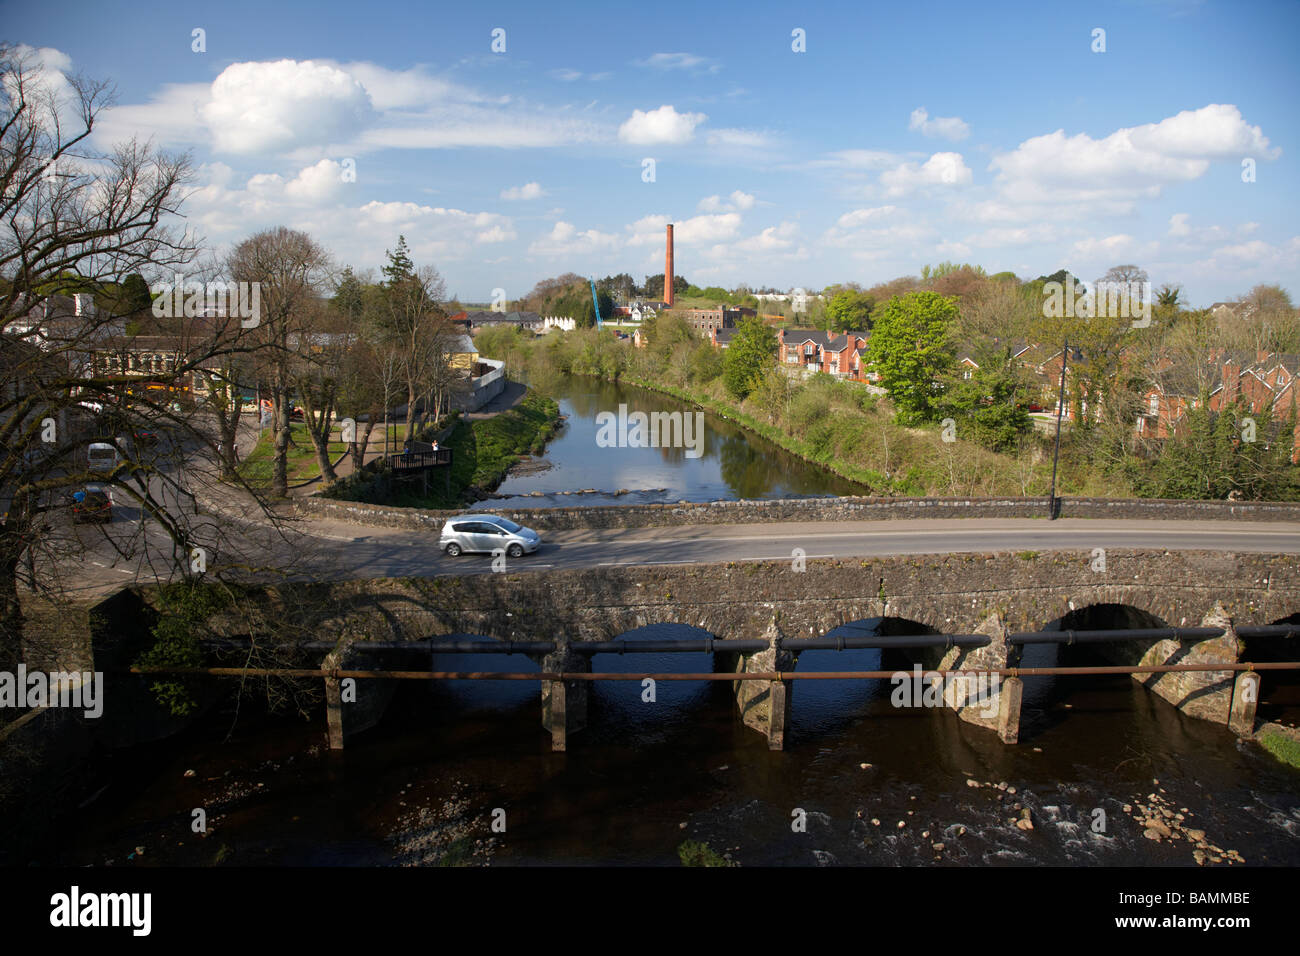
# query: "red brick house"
{"points": [[814, 350]]}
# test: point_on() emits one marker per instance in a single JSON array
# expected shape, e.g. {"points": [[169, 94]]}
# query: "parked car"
{"points": [[487, 533], [101, 457], [93, 503]]}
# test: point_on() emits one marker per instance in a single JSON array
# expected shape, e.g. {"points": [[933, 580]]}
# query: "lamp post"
{"points": [[1060, 411]]}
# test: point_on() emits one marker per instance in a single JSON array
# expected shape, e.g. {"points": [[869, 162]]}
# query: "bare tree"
{"points": [[291, 270], [408, 315], [79, 222]]}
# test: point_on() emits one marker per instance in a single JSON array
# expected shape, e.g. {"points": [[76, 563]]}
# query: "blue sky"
{"points": [[905, 134]]}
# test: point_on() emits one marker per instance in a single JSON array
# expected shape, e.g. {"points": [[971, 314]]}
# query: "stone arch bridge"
{"points": [[993, 593]]}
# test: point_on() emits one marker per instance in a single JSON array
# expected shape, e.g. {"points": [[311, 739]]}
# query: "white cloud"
{"points": [[736, 201], [1111, 249], [403, 89], [564, 239], [944, 127], [258, 107], [459, 126], [496, 234], [664, 125], [858, 159], [1036, 234], [1247, 263], [1131, 162], [649, 230], [526, 191], [908, 232], [681, 61], [567, 75], [297, 108], [739, 139], [771, 239], [1181, 228], [941, 169], [316, 183], [860, 217]]}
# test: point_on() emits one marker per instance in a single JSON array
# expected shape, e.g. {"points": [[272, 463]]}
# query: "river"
{"points": [[423, 786], [726, 463]]}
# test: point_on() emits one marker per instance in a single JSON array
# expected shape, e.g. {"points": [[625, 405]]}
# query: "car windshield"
{"points": [[507, 524]]}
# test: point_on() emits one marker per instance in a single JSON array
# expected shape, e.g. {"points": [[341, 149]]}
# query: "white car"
{"points": [[487, 533]]}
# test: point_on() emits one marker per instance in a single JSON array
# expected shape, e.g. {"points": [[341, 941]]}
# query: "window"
{"points": [[1153, 405]]}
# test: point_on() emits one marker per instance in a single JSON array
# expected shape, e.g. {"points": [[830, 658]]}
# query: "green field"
{"points": [[300, 464]]}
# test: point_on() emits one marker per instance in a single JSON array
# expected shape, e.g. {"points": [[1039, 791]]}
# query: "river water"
{"points": [[724, 464], [425, 784]]}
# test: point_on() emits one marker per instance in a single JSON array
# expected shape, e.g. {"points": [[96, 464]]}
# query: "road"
{"points": [[320, 549], [382, 552]]}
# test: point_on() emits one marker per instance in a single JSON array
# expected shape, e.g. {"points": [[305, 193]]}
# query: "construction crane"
{"points": [[594, 301]]}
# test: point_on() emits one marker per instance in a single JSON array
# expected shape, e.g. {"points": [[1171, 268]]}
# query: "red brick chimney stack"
{"points": [[668, 268]]}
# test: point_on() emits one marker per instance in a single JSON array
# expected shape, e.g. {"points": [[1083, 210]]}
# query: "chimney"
{"points": [[668, 268]]}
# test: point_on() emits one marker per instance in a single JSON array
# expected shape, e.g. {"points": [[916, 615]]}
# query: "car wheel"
{"points": [[515, 550], [453, 550]]}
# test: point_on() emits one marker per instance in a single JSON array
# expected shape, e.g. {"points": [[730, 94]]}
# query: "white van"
{"points": [[101, 457]]}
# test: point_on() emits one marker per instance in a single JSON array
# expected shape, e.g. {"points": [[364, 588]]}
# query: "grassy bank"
{"points": [[300, 464], [482, 452], [1282, 743]]}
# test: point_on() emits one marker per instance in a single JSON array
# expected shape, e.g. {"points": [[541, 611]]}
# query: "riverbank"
{"points": [[483, 450], [841, 428]]}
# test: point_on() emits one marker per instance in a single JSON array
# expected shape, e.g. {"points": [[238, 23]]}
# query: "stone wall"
{"points": [[809, 509], [949, 594]]}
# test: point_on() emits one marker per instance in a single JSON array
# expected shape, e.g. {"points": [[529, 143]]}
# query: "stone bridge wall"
{"points": [[808, 509], [945, 593]]}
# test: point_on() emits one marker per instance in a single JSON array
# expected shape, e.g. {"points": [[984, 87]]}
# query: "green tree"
{"points": [[586, 317], [349, 302], [751, 352], [400, 267], [910, 348], [1209, 457], [849, 311], [986, 406], [135, 295]]}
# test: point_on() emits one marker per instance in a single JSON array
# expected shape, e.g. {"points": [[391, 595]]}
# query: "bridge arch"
{"points": [[1279, 691]]}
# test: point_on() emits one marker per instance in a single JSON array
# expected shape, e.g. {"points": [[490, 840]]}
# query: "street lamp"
{"points": [[1060, 410]]}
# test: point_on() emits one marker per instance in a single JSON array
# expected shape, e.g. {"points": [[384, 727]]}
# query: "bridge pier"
{"points": [[765, 705], [352, 705], [1245, 700], [564, 703], [988, 701], [1204, 694]]}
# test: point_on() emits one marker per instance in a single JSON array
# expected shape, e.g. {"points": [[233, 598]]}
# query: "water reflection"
{"points": [[732, 465]]}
